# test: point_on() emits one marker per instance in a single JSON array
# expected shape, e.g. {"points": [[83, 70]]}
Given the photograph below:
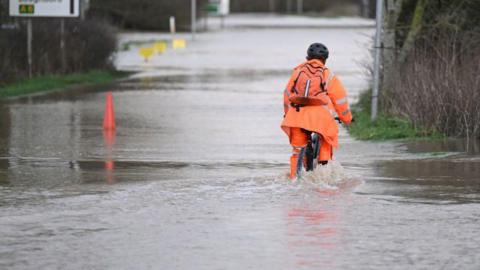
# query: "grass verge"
{"points": [[50, 83], [385, 127]]}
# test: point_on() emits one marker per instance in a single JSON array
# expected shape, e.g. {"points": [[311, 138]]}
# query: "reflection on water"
{"points": [[445, 180], [437, 172], [470, 147], [109, 136], [312, 229]]}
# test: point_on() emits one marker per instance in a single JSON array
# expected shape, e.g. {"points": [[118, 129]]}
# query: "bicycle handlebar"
{"points": [[340, 121]]}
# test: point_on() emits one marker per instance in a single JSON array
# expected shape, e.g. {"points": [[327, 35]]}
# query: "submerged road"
{"points": [[194, 176]]}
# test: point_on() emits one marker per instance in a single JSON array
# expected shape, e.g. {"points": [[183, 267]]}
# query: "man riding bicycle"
{"points": [[311, 99]]}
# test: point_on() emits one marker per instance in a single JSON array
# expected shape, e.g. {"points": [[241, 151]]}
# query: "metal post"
{"points": [[29, 46], [376, 71], [194, 18], [63, 52], [299, 6]]}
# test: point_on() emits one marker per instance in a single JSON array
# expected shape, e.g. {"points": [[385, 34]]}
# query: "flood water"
{"points": [[195, 175]]}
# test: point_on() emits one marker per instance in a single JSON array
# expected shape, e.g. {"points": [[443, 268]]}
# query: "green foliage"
{"points": [[436, 15], [58, 82], [432, 76], [385, 127], [462, 15]]}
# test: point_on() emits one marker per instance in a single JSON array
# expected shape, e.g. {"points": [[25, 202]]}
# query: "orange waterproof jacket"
{"points": [[319, 119]]}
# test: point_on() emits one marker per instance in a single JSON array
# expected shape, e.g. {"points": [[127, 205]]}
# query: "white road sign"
{"points": [[44, 8], [219, 7]]}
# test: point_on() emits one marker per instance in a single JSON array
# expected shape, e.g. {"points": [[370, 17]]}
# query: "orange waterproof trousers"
{"points": [[299, 138]]}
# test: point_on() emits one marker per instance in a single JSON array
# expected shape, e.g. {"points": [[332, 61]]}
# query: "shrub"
{"points": [[438, 87], [89, 45]]}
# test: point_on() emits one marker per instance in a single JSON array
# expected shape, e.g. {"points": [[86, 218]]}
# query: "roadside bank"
{"points": [[386, 126], [53, 83]]}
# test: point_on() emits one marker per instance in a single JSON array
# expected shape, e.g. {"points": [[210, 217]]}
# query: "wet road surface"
{"points": [[194, 176]]}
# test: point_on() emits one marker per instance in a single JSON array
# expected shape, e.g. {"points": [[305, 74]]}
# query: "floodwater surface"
{"points": [[194, 177]]}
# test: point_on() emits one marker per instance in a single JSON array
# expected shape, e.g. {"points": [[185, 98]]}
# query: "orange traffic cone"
{"points": [[109, 116]]}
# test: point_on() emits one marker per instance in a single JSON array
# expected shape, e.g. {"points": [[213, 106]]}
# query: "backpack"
{"points": [[308, 88]]}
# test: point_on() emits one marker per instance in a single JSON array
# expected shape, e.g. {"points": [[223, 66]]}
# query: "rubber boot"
{"points": [[293, 167], [323, 162]]}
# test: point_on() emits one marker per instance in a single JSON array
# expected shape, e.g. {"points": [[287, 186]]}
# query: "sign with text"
{"points": [[218, 7], [44, 8]]}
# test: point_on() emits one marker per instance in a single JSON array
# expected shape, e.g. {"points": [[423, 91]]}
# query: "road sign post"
{"points": [[44, 8], [29, 46], [63, 50], [220, 8]]}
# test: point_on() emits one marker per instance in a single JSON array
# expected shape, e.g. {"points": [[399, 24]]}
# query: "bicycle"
{"points": [[310, 153]]}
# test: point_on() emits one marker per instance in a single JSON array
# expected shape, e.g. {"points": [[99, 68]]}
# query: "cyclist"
{"points": [[311, 99]]}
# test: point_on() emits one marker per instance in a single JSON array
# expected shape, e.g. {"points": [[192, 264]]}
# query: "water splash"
{"points": [[330, 176]]}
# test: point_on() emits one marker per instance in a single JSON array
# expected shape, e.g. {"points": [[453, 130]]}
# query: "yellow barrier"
{"points": [[146, 52], [179, 44], [160, 47]]}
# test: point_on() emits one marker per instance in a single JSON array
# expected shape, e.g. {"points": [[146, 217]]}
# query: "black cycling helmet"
{"points": [[317, 51]]}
